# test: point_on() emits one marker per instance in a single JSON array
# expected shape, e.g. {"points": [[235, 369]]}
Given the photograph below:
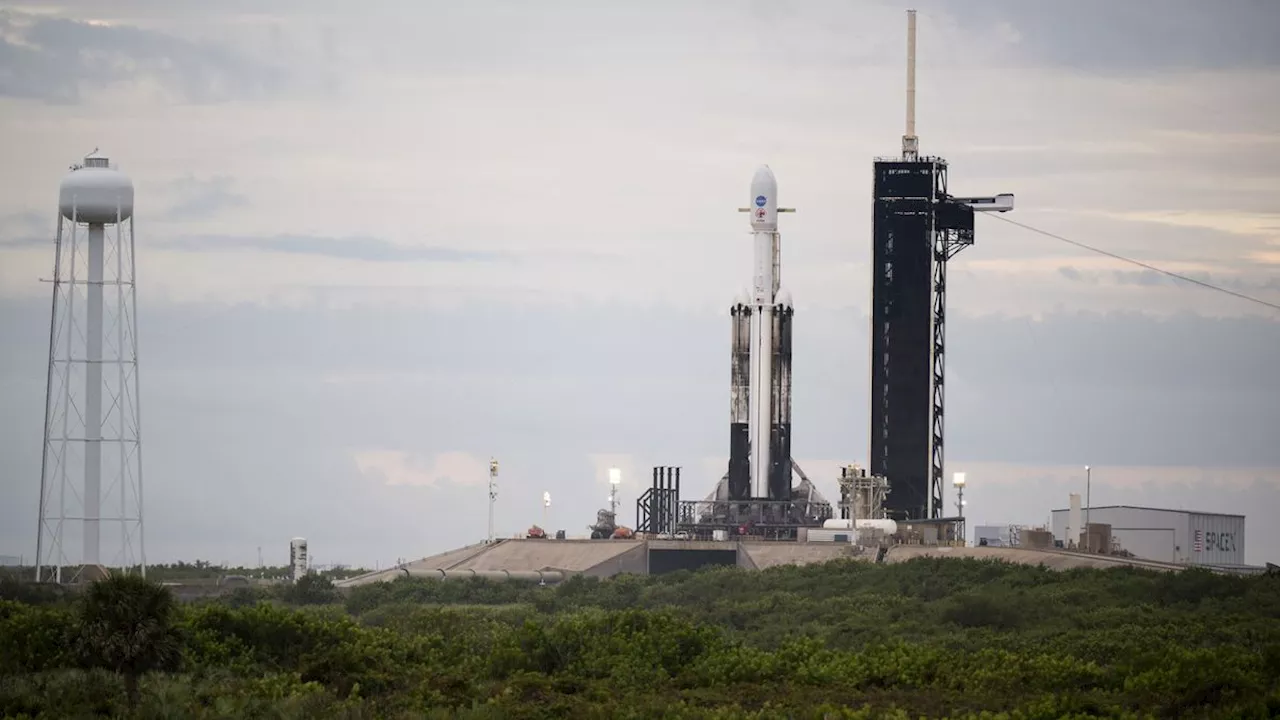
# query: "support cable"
{"points": [[1139, 263]]}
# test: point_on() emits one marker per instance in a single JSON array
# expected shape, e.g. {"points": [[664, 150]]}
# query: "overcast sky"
{"points": [[380, 242]]}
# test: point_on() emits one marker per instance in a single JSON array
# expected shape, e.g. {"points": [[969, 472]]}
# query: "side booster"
{"points": [[760, 370]]}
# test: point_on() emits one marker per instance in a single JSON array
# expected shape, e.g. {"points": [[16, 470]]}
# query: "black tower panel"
{"points": [[902, 332]]}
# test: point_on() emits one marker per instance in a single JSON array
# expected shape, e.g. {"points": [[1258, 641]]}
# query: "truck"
{"points": [[536, 533]]}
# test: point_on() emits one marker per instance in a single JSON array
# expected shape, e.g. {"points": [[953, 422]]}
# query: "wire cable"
{"points": [[1139, 263]]}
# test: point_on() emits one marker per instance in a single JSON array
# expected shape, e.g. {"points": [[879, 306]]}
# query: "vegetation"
{"points": [[931, 638]]}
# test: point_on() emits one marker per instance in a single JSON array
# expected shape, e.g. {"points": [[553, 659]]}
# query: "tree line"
{"points": [[927, 638]]}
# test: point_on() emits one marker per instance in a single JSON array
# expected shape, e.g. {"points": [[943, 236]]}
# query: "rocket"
{"points": [[760, 370]]}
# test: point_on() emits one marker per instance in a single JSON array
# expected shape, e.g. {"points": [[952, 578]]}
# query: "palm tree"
{"points": [[126, 625]]}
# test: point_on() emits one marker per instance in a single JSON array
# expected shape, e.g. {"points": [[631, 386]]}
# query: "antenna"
{"points": [[910, 143]]}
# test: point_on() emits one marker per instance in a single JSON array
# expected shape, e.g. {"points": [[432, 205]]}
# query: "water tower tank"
{"points": [[298, 558], [96, 193]]}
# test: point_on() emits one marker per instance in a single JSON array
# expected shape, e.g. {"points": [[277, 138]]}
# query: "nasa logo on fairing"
{"points": [[760, 201]]}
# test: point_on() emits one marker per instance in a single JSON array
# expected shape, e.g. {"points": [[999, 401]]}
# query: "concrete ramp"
{"points": [[447, 560], [592, 557], [766, 555], [1050, 559]]}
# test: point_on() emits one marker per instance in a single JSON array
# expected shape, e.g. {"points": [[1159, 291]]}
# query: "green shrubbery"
{"points": [[933, 638]]}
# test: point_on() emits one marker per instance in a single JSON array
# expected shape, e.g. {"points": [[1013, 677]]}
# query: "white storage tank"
{"points": [[888, 526], [96, 193], [297, 558]]}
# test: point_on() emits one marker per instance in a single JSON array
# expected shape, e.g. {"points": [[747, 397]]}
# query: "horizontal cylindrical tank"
{"points": [[888, 526], [547, 576], [96, 193]]}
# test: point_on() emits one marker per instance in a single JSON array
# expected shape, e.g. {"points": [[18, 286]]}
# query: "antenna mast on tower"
{"points": [[910, 143]]}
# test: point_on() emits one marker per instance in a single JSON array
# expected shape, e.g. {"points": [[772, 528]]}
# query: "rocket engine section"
{"points": [[760, 370], [780, 430], [740, 400]]}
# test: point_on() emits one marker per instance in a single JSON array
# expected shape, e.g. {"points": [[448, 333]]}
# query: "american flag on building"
{"points": [[1198, 545]]}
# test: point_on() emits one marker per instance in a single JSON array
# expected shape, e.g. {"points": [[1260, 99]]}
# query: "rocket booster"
{"points": [[760, 377]]}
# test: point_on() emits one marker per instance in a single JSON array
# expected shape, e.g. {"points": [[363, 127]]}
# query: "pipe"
{"points": [[540, 576]]}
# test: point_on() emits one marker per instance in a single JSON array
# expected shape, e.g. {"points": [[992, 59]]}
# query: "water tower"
{"points": [[91, 472]]}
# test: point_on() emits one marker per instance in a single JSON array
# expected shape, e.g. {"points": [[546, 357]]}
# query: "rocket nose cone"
{"points": [[763, 182]]}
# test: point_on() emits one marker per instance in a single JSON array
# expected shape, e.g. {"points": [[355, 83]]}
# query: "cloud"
{"points": [[350, 248], [25, 230], [395, 467], [60, 60], [1136, 38], [249, 443], [202, 198]]}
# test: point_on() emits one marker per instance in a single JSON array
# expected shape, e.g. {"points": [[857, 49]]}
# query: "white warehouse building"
{"points": [[1173, 536]]}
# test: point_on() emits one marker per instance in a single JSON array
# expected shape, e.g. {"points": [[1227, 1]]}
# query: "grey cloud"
{"points": [[1070, 273], [203, 198], [1133, 37], [25, 229], [56, 58], [243, 424], [1151, 278], [347, 248]]}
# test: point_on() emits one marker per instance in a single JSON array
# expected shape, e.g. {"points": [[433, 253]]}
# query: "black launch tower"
{"points": [[917, 228]]}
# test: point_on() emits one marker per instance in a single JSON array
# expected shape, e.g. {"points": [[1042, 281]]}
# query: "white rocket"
{"points": [[764, 313]]}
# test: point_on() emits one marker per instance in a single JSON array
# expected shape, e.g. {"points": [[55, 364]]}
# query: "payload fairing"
{"points": [[760, 377]]}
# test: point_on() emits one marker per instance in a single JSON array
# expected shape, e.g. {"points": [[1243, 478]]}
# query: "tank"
{"points": [[297, 558], [96, 193], [888, 526]]}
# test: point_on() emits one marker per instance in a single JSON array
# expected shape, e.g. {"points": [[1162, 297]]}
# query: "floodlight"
{"points": [[615, 476], [958, 479]]}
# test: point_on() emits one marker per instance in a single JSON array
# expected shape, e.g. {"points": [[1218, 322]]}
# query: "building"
{"points": [[993, 536], [1174, 536]]}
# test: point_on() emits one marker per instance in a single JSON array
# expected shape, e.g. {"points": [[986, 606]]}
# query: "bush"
{"points": [[845, 640]]}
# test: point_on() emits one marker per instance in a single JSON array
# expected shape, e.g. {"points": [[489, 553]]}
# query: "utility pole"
{"points": [[493, 494], [958, 481], [1088, 485]]}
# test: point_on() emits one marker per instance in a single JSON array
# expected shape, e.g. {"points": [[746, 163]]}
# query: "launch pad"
{"points": [[917, 228]]}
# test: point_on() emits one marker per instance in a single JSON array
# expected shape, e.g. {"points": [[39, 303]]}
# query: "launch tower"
{"points": [[917, 228]]}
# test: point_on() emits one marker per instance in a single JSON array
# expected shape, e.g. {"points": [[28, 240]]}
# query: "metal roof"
{"points": [[1140, 507]]}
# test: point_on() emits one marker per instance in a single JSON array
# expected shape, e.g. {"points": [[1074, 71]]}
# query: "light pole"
{"points": [[958, 481], [493, 494], [1088, 486], [615, 479], [546, 505]]}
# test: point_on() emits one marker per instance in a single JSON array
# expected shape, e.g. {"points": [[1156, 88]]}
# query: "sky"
{"points": [[380, 243]]}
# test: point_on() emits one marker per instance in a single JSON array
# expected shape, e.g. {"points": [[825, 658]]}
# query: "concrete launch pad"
{"points": [[559, 559], [603, 558]]}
